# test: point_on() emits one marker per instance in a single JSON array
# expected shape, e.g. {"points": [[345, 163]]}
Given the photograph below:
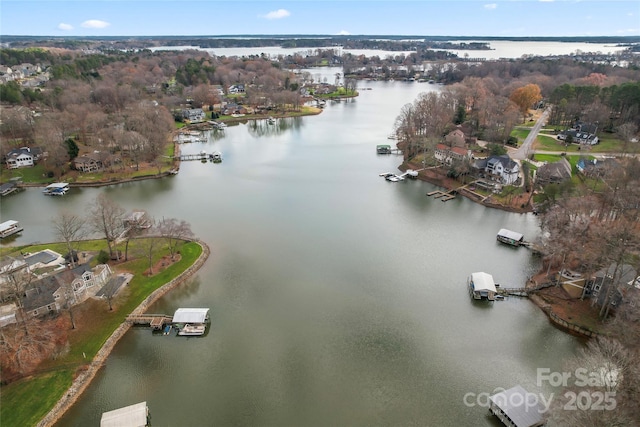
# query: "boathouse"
{"points": [[509, 237], [383, 149], [130, 416], [517, 408], [191, 321], [482, 286], [9, 228]]}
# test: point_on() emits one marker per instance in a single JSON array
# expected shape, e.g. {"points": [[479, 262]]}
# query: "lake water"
{"points": [[499, 49], [337, 298]]}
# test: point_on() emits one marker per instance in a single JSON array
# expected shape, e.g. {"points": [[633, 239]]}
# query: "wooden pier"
{"points": [[443, 195], [524, 292], [199, 156], [155, 321]]}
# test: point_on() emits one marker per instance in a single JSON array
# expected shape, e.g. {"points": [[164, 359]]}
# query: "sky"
{"points": [[503, 18]]}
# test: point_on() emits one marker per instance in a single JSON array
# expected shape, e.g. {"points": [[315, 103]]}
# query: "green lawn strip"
{"points": [[85, 343], [26, 402], [35, 174], [521, 134]]}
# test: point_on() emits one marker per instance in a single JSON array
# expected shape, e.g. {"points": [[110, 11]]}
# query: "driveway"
{"points": [[525, 149]]}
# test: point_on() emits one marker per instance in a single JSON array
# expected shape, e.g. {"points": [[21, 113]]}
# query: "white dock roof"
{"points": [[57, 185], [129, 416], [190, 315], [483, 282], [7, 225], [521, 407], [510, 234]]}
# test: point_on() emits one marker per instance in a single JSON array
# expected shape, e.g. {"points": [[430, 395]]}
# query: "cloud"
{"points": [[65, 27], [490, 6], [344, 33], [547, 1], [94, 23], [277, 14]]}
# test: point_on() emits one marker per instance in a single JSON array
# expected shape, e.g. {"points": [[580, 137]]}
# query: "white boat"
{"points": [[271, 121], [191, 321], [56, 189], [192, 330], [9, 228]]}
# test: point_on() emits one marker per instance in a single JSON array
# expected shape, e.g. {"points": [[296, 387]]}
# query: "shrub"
{"points": [[103, 257]]}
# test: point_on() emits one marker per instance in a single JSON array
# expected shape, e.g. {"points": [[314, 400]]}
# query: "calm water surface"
{"points": [[337, 298], [498, 49]]}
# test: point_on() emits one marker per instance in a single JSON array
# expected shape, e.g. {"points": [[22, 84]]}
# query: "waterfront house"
{"points": [[193, 115], [44, 297], [516, 407], [622, 278], [91, 162], [500, 168], [19, 158], [447, 155]]}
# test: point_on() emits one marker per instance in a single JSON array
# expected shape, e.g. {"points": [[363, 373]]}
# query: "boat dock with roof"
{"points": [[56, 189], [187, 321], [482, 286], [509, 237], [9, 228]]}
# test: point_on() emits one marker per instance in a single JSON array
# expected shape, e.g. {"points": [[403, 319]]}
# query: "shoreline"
{"points": [[557, 320], [82, 381], [451, 184]]}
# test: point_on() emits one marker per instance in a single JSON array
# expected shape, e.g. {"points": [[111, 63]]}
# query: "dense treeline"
{"points": [[13, 57], [123, 103]]}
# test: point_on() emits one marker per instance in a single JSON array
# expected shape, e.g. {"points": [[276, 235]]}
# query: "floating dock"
{"points": [[442, 195]]}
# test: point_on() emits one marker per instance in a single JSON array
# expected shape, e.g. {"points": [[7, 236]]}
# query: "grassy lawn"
{"points": [[521, 134], [44, 390], [20, 408], [35, 174]]}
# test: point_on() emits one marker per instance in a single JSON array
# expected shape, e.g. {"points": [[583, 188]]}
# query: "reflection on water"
{"points": [[275, 127]]}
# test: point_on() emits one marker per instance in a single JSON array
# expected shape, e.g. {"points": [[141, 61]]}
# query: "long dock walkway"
{"points": [[524, 292], [155, 321]]}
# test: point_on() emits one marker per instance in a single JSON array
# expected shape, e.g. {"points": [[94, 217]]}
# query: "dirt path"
{"points": [[84, 378]]}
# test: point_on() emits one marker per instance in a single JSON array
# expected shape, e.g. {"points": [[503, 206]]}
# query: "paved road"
{"points": [[525, 149]]}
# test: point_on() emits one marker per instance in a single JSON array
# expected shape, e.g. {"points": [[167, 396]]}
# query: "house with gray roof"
{"points": [[499, 168], [555, 172], [19, 158]]}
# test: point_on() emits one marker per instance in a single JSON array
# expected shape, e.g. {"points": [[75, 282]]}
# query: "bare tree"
{"points": [[174, 231], [70, 228], [106, 218], [138, 225]]}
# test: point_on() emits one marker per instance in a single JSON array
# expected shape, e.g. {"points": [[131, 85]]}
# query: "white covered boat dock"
{"points": [[482, 286], [9, 228], [516, 407], [509, 237], [56, 189], [191, 321], [129, 416]]}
